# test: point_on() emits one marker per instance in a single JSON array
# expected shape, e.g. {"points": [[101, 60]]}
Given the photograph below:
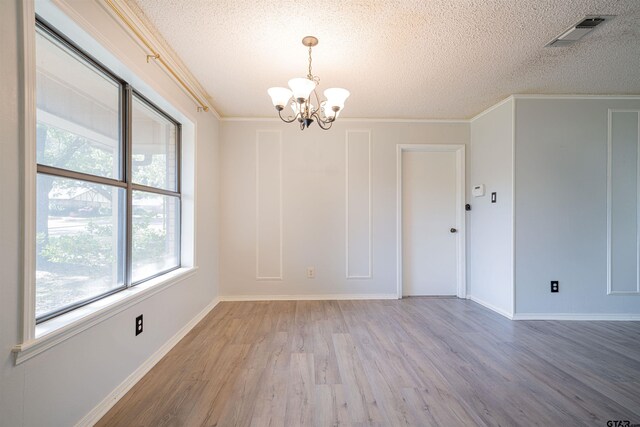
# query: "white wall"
{"points": [[561, 207], [314, 205], [490, 253], [61, 385]]}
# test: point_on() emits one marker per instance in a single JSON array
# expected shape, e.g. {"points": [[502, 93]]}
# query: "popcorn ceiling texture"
{"points": [[427, 59]]}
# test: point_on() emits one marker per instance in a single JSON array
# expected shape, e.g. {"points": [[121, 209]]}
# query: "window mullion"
{"points": [[155, 190], [80, 176]]}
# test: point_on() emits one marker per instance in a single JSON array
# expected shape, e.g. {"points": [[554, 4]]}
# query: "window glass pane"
{"points": [[154, 148], [156, 234], [79, 241], [77, 112]]}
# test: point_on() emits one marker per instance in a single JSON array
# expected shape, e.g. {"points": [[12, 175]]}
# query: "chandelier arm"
{"points": [[323, 123], [293, 119]]}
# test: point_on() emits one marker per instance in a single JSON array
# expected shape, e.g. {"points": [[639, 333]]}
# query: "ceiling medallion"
{"points": [[302, 90]]}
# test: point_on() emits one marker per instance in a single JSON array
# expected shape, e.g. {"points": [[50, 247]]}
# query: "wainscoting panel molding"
{"points": [[623, 203], [358, 218], [268, 205]]}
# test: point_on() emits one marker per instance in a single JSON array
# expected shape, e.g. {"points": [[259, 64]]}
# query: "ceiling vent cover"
{"points": [[579, 30]]}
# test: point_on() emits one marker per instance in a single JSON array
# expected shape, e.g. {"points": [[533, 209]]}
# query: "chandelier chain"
{"points": [[310, 75]]}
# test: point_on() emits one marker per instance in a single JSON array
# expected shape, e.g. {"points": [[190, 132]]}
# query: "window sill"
{"points": [[59, 329]]}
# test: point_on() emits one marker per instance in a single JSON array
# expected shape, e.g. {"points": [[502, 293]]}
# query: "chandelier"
{"points": [[303, 92]]}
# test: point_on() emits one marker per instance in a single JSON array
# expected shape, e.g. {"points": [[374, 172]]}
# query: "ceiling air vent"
{"points": [[579, 30]]}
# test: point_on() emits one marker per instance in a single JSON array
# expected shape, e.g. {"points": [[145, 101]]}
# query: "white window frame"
{"points": [[38, 338]]}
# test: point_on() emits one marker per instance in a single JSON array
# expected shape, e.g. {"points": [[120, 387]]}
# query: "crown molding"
{"points": [[348, 120], [570, 96], [549, 97], [145, 35], [490, 109]]}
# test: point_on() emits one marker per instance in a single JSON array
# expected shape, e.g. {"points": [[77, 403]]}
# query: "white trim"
{"points": [[491, 307], [490, 109], [539, 96], [462, 220], [280, 276], [570, 96], [144, 27], [459, 149], [513, 207], [327, 297], [28, 176], [609, 185], [61, 328], [347, 120], [558, 316], [610, 112], [477, 116], [626, 317], [370, 214], [112, 398]]}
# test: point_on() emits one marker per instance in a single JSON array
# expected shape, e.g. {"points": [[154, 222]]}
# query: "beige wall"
{"points": [[314, 202]]}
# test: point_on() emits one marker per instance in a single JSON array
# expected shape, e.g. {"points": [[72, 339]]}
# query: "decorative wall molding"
{"points": [[262, 197], [513, 206], [610, 284], [112, 398], [369, 218]]}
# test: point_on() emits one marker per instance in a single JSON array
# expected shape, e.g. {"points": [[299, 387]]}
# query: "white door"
{"points": [[429, 230]]}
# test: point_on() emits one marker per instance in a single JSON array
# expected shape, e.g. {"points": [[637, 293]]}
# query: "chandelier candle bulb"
{"points": [[302, 91]]}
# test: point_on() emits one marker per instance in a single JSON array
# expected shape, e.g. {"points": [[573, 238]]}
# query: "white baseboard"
{"points": [[112, 398], [491, 307], [557, 316], [577, 316], [307, 297]]}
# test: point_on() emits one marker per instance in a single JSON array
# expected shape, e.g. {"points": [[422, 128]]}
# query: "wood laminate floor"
{"points": [[410, 362]]}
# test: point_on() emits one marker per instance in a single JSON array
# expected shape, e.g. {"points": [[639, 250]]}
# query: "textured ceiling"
{"points": [[427, 59]]}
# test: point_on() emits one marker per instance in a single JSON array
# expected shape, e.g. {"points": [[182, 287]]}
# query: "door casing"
{"points": [[459, 149]]}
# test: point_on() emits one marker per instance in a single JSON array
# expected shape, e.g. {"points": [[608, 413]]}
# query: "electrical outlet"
{"points": [[555, 286], [311, 272], [138, 325]]}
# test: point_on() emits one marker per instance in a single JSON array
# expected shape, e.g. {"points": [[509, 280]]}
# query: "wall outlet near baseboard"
{"points": [[555, 286], [139, 325], [311, 272]]}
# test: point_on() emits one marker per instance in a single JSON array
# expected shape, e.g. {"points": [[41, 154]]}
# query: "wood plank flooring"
{"points": [[410, 362]]}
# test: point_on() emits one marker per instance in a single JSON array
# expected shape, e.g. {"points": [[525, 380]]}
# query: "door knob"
{"points": [[453, 230]]}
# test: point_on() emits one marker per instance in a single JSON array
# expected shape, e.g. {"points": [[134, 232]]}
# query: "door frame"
{"points": [[461, 265]]}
